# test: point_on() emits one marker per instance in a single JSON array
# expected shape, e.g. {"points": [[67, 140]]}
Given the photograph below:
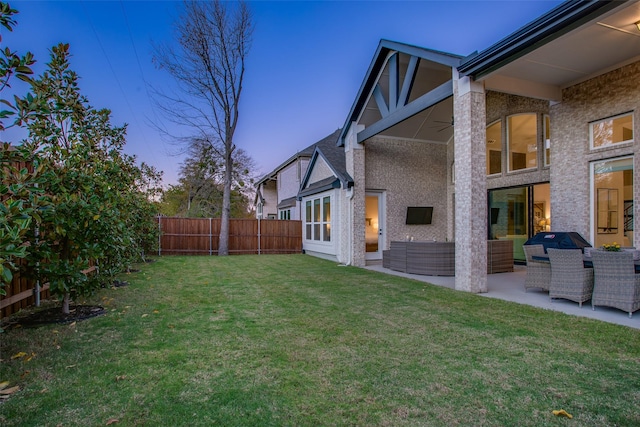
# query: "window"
{"points": [[285, 214], [547, 140], [494, 148], [308, 221], [326, 219], [522, 141], [612, 204], [318, 219], [612, 130]]}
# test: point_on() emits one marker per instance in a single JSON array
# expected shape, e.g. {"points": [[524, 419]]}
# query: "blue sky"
{"points": [[307, 61]]}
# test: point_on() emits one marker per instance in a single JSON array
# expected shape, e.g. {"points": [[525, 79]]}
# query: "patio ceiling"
{"points": [[601, 44]]}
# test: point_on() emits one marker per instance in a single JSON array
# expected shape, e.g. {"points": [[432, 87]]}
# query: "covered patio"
{"points": [[510, 287]]}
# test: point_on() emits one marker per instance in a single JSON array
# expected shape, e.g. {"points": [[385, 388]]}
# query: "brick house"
{"points": [[538, 132]]}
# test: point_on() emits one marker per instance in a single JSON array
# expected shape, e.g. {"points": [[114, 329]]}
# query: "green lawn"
{"points": [[291, 340]]}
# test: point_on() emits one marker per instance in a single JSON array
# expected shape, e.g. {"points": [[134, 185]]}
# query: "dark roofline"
{"points": [[553, 24], [342, 177], [304, 153], [379, 58], [273, 173], [320, 187]]}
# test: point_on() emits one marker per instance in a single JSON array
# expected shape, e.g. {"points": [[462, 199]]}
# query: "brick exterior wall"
{"points": [[470, 187], [410, 173], [354, 234], [607, 95], [501, 105]]}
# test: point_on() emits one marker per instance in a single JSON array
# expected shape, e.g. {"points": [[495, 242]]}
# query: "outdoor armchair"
{"points": [[616, 283], [538, 273], [569, 278]]}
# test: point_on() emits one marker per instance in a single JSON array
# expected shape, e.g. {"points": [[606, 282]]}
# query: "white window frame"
{"points": [[314, 230], [612, 144], [499, 145], [592, 192], [285, 214], [507, 133], [546, 139]]}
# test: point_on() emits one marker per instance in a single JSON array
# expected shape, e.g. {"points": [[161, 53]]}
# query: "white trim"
{"points": [[322, 246], [499, 121], [612, 144], [508, 156], [382, 225], [592, 210]]}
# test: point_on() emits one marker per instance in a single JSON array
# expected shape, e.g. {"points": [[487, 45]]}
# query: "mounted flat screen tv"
{"points": [[419, 215]]}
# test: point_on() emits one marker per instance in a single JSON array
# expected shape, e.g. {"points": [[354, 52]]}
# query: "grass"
{"points": [[298, 341]]}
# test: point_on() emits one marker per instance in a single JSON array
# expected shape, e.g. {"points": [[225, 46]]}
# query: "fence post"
{"points": [[210, 239], [259, 217], [159, 235]]}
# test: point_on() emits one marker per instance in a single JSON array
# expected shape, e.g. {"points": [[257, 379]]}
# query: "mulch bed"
{"points": [[53, 315]]}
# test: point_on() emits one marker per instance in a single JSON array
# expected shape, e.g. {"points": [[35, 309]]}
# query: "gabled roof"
{"points": [[385, 47], [305, 153], [333, 155]]}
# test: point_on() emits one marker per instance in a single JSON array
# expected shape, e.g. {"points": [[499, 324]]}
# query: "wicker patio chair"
{"points": [[616, 283], [569, 278], [538, 273]]}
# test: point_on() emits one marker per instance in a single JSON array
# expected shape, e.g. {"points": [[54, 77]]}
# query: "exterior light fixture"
{"points": [[638, 25]]}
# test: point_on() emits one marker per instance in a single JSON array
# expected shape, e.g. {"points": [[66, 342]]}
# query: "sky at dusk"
{"points": [[306, 64]]}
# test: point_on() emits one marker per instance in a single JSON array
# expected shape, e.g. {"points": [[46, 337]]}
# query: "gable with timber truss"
{"points": [[407, 93]]}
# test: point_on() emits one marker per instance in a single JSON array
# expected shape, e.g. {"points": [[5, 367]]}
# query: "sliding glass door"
{"points": [[518, 213]]}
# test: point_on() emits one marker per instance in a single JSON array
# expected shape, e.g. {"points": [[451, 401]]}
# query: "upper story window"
{"points": [[547, 140], [494, 148], [610, 131], [522, 142]]}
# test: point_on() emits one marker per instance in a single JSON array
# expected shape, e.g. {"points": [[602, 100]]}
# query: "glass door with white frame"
{"points": [[374, 235]]}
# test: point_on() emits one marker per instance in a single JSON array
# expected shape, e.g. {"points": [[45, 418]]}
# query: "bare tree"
{"points": [[208, 66]]}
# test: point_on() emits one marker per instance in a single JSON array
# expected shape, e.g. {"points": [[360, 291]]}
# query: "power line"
{"points": [[144, 80], [115, 76]]}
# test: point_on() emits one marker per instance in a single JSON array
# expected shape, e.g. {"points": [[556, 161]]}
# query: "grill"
{"points": [[559, 240]]}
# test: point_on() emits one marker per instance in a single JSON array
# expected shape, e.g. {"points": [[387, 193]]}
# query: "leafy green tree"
{"points": [[70, 196], [19, 193], [22, 202], [93, 186], [200, 191]]}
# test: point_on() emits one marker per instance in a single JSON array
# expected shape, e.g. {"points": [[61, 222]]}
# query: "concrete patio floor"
{"points": [[510, 287]]}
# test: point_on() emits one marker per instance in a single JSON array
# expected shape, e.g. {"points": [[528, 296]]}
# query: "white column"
{"points": [[354, 155]]}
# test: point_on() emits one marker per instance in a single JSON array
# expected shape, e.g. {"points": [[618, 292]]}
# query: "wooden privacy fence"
{"points": [[24, 292], [21, 293], [199, 236]]}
